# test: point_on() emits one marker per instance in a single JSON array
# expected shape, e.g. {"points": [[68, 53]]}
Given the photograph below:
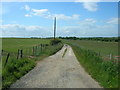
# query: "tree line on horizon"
{"points": [[107, 39]]}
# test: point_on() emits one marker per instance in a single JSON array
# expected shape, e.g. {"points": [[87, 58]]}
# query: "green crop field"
{"points": [[105, 48], [13, 44]]}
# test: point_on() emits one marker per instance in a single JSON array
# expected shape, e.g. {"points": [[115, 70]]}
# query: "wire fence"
{"points": [[24, 52], [107, 57]]}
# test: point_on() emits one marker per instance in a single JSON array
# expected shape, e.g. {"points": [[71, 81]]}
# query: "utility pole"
{"points": [[54, 28]]}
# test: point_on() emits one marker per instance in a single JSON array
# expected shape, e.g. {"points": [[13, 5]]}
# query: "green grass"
{"points": [[13, 44], [64, 52], [105, 72], [16, 68], [105, 48]]}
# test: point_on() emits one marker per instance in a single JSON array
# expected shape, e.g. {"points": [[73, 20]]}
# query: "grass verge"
{"points": [[104, 72], [15, 69]]}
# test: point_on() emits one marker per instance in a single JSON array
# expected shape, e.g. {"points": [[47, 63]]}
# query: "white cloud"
{"points": [[27, 8], [90, 20], [22, 30], [63, 17], [60, 16], [90, 5], [20, 27], [89, 31], [112, 21], [34, 28], [12, 27], [85, 28], [89, 28], [39, 12], [28, 15], [46, 14]]}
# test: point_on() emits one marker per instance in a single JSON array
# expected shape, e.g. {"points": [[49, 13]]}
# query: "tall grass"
{"points": [[105, 72], [15, 69]]}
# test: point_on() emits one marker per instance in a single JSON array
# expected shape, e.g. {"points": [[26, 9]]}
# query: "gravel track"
{"points": [[57, 72]]}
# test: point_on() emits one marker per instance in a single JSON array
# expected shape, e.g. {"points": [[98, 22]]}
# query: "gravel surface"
{"points": [[57, 72]]}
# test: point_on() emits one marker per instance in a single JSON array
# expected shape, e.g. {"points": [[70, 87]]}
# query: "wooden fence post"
{"points": [[35, 50], [7, 59], [2, 51], [18, 54], [21, 53]]}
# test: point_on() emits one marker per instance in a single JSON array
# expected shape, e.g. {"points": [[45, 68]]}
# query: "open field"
{"points": [[105, 48], [13, 44]]}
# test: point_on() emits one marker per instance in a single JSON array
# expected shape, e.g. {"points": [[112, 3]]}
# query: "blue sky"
{"points": [[81, 19]]}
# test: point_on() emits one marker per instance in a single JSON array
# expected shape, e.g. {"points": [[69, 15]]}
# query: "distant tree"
{"points": [[55, 42]]}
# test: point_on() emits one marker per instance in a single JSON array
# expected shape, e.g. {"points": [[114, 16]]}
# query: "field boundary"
{"points": [[26, 52], [108, 70]]}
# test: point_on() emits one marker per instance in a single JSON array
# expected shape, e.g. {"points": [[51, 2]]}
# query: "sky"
{"points": [[80, 19]]}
